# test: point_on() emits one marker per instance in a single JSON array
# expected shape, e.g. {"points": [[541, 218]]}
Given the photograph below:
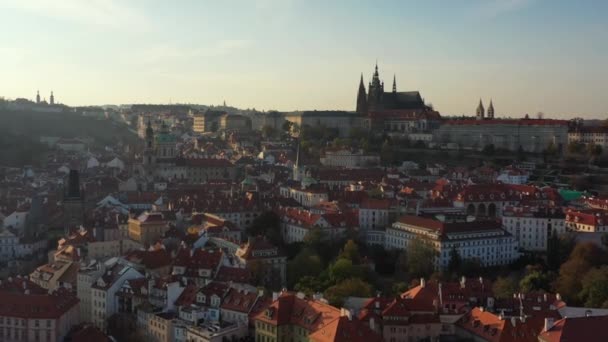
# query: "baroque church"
{"points": [[162, 161]]}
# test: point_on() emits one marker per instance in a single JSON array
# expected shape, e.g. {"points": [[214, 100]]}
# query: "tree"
{"points": [[310, 284], [351, 252], [536, 281], [306, 263], [594, 291], [268, 224], [584, 257], [576, 147], [344, 269], [347, 288], [504, 287], [399, 287], [420, 258], [455, 261], [558, 250], [287, 126]]}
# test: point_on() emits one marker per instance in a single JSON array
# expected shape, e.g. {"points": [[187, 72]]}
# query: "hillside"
{"points": [[20, 133]]}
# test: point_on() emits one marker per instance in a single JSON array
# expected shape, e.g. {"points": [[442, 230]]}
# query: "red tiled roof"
{"points": [[519, 122], [588, 329], [38, 306], [343, 329], [239, 300]]}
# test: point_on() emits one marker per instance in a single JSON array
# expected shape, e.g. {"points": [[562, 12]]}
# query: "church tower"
{"points": [[376, 91], [149, 153], [38, 96], [73, 203], [480, 114], [394, 84], [491, 110], [52, 99], [296, 165], [361, 98]]}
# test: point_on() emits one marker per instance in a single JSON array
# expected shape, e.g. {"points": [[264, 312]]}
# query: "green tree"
{"points": [[305, 263], [536, 281], [349, 287], [344, 269], [399, 287], [420, 258], [267, 224], [504, 287], [455, 261], [594, 291]]}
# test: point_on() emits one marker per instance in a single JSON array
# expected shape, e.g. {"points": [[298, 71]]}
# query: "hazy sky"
{"points": [[527, 55]]}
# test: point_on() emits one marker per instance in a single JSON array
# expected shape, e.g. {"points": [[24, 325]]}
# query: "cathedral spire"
{"points": [[394, 83], [296, 166], [480, 113], [491, 110], [361, 97], [38, 96]]}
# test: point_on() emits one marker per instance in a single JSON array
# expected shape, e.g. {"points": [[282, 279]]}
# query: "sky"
{"points": [[525, 55]]}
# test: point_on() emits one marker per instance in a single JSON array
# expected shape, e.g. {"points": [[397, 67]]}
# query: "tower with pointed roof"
{"points": [[480, 113], [52, 99], [491, 110], [149, 158], [296, 165], [394, 84], [376, 91], [38, 96], [361, 98]]}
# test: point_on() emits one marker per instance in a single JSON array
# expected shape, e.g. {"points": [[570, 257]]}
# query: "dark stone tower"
{"points": [[73, 203], [38, 96], [376, 92], [491, 110], [52, 99], [149, 151], [480, 113], [394, 84], [361, 98]]}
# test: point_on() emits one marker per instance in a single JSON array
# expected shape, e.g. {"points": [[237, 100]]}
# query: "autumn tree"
{"points": [[584, 257], [267, 224], [504, 287]]}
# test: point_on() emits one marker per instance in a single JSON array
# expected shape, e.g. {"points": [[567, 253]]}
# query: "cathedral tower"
{"points": [[376, 91], [38, 96], [361, 98], [491, 110], [52, 98], [480, 113]]}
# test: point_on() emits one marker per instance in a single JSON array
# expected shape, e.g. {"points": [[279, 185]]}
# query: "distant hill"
{"points": [[66, 125], [20, 133]]}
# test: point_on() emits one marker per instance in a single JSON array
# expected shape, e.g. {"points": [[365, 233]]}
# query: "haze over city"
{"points": [[526, 55]]}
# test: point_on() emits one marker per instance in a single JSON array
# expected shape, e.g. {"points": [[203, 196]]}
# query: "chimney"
{"points": [[548, 324], [372, 324], [558, 296], [275, 296], [463, 282], [422, 283]]}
